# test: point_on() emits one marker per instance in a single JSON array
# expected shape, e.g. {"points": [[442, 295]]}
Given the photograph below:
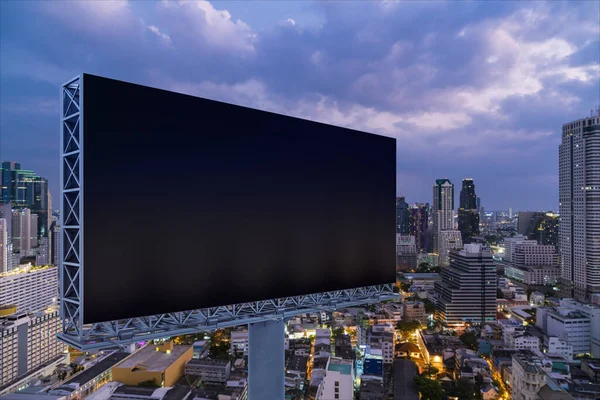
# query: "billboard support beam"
{"points": [[266, 360]]}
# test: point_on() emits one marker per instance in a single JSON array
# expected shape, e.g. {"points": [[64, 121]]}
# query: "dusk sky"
{"points": [[469, 89]]}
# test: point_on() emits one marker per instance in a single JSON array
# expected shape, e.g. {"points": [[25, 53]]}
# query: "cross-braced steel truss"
{"points": [[71, 206], [123, 332]]}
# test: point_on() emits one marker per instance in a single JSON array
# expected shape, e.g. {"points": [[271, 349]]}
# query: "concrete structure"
{"points": [[27, 342], [419, 225], [402, 216], [24, 231], [448, 240], [413, 311], [42, 253], [406, 253], [338, 382], [556, 346], [526, 255], [538, 275], [4, 239], [164, 363], [468, 288], [591, 311], [30, 288], [572, 327], [524, 342], [468, 217], [527, 377], [579, 187], [510, 243], [210, 371], [239, 342], [88, 381], [443, 210]]}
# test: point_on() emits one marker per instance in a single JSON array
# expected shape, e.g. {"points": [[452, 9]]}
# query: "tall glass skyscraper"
{"points": [[402, 216], [579, 207], [468, 218]]}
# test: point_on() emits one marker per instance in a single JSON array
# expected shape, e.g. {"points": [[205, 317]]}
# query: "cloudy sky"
{"points": [[469, 89]]}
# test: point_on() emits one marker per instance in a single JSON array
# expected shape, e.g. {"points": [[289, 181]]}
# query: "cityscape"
{"points": [[490, 302]]}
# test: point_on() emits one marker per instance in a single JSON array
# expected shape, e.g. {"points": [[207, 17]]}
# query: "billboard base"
{"points": [[266, 360]]}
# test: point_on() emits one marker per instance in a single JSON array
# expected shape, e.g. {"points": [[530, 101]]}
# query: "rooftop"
{"points": [[404, 375], [152, 360], [344, 369], [98, 368]]}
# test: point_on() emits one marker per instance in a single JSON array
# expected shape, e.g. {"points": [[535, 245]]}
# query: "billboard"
{"points": [[190, 203]]}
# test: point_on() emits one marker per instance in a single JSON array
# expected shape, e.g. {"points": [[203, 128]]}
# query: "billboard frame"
{"points": [[124, 332]]}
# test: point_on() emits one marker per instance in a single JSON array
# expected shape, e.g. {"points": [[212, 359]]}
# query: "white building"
{"points": [[27, 341], [338, 382], [572, 327], [29, 288], [24, 231], [239, 342], [443, 210], [579, 188], [591, 311], [42, 256], [524, 342], [534, 254], [560, 347], [527, 378], [4, 245], [448, 240], [538, 275], [511, 242]]}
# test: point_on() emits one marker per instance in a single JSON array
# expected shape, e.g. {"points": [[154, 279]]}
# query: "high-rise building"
{"points": [[478, 203], [540, 226], [42, 256], [55, 243], [24, 231], [468, 218], [467, 291], [406, 253], [28, 341], [579, 207], [443, 210], [24, 189], [4, 245], [338, 382], [29, 288], [402, 216], [419, 221], [448, 240]]}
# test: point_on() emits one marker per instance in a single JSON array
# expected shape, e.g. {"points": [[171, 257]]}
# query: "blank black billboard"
{"points": [[192, 203]]}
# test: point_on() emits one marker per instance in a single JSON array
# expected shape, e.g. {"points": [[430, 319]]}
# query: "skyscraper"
{"points": [[539, 226], [419, 221], [4, 245], [468, 218], [468, 287], [402, 216], [579, 197], [443, 210], [24, 189], [24, 231]]}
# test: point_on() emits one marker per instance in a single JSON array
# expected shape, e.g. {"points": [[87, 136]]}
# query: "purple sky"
{"points": [[470, 89]]}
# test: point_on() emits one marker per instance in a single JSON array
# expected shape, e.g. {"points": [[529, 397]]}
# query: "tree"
{"points": [[149, 383], [431, 370], [465, 389], [499, 294], [430, 389], [408, 327], [338, 331], [429, 306], [469, 339]]}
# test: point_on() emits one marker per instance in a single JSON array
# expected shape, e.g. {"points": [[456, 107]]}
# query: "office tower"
{"points": [[55, 243], [406, 253], [28, 341], [579, 193], [402, 216], [4, 245], [478, 204], [539, 226], [468, 287], [24, 189], [443, 209], [419, 219], [24, 231], [29, 288], [510, 214], [468, 218], [448, 240], [42, 256]]}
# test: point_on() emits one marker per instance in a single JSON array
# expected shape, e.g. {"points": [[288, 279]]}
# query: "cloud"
{"points": [[458, 84]]}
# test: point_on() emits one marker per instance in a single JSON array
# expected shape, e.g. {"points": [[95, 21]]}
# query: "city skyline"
{"points": [[469, 89]]}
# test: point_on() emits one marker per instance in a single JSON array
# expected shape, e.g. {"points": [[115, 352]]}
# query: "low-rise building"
{"points": [[239, 342], [162, 363], [338, 382], [213, 371], [413, 311]]}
